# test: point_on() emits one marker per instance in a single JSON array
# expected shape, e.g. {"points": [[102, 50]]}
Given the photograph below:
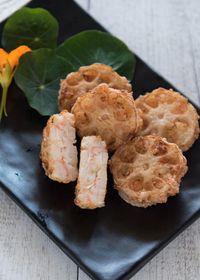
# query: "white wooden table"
{"points": [[165, 34]]}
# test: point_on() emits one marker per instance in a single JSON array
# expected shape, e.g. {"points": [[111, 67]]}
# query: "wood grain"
{"points": [[7, 7], [25, 251], [165, 34]]}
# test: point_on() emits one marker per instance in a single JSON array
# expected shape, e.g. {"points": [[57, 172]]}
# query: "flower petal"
{"points": [[3, 58], [14, 56]]}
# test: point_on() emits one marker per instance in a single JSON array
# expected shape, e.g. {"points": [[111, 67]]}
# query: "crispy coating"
{"points": [[147, 170], [109, 113], [58, 152], [92, 179], [85, 79], [169, 114]]}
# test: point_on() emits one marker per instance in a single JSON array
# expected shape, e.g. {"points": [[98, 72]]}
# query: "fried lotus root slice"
{"points": [[147, 170], [58, 152], [169, 114], [92, 179], [109, 113], [85, 79]]}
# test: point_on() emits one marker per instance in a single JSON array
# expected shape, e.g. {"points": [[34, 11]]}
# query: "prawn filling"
{"points": [[148, 170], [92, 180], [58, 152], [169, 114], [85, 79], [109, 113]]}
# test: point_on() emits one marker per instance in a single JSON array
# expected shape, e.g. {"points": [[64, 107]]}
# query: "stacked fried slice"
{"points": [[87, 78], [169, 114], [109, 113], [147, 137], [148, 170]]}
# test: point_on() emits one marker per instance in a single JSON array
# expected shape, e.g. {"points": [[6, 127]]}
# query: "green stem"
{"points": [[3, 102]]}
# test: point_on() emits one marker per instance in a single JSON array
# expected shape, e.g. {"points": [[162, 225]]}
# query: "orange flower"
{"points": [[8, 64]]}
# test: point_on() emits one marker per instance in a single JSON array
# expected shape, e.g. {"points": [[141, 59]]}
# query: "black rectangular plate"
{"points": [[110, 243]]}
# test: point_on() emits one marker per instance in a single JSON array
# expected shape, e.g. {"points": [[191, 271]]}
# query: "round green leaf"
{"points": [[93, 46], [38, 76], [36, 28]]}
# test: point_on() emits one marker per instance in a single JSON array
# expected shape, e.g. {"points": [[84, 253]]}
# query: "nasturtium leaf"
{"points": [[38, 76], [34, 27], [93, 46]]}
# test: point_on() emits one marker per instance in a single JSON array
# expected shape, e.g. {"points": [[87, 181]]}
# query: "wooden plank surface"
{"points": [[7, 7], [165, 34]]}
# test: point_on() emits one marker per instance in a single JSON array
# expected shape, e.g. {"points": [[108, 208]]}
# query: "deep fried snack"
{"points": [[85, 79], [169, 114], [109, 113], [92, 179], [58, 152], [147, 170]]}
